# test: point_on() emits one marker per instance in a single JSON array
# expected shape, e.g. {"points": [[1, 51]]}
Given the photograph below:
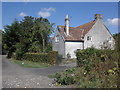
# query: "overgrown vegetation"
{"points": [[96, 69]]}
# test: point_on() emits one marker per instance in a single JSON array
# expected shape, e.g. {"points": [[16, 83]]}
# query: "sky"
{"points": [[79, 12]]}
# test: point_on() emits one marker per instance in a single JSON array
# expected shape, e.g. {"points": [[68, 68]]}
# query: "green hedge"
{"points": [[87, 56], [36, 57], [52, 57]]}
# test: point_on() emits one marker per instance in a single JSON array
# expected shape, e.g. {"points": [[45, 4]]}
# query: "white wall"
{"points": [[99, 34], [60, 45], [71, 47]]}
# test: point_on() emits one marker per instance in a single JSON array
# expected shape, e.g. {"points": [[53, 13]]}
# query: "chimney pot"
{"points": [[98, 16]]}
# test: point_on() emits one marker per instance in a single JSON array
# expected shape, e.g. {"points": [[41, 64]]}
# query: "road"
{"points": [[15, 76]]}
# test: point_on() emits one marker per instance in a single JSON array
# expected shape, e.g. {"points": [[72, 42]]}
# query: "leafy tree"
{"points": [[11, 37], [117, 41], [42, 30], [29, 35]]}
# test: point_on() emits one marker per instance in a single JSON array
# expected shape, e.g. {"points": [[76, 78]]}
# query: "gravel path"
{"points": [[14, 76]]}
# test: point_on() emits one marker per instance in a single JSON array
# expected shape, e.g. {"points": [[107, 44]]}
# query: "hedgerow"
{"points": [[51, 58]]}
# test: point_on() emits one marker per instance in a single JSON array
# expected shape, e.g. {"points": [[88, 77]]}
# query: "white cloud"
{"points": [[46, 12], [113, 21], [22, 14], [48, 9]]}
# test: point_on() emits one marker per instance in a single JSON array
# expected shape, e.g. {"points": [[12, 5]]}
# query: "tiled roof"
{"points": [[76, 33]]}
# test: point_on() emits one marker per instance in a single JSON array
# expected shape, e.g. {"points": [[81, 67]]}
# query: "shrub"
{"points": [[65, 78], [53, 56], [68, 56], [36, 57], [96, 69]]}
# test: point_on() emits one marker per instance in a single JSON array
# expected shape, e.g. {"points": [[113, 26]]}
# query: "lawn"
{"points": [[31, 64]]}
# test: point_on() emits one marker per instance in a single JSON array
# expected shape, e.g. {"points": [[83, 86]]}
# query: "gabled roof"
{"points": [[76, 33]]}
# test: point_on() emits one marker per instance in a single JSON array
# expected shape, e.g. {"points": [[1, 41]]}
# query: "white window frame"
{"points": [[110, 39], [57, 38]]}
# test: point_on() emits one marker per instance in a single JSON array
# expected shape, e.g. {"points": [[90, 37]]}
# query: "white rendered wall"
{"points": [[99, 34], [71, 47]]}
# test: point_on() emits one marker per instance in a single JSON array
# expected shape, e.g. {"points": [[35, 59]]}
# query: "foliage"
{"points": [[96, 69], [53, 57], [10, 37], [0, 42], [29, 35], [68, 56], [117, 41], [36, 57], [48, 47]]}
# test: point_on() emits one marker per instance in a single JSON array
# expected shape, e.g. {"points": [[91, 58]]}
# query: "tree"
{"points": [[0, 42], [117, 41], [11, 37], [29, 35], [42, 30]]}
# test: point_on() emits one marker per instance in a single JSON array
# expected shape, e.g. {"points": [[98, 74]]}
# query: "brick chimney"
{"points": [[98, 16]]}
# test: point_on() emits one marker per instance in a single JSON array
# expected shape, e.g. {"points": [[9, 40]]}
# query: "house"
{"points": [[92, 34]]}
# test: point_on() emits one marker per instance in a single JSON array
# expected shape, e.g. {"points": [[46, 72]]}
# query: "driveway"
{"points": [[15, 76]]}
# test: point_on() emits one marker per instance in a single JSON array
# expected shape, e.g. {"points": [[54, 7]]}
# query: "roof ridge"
{"points": [[86, 23]]}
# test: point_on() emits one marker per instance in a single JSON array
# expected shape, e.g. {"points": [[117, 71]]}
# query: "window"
{"points": [[89, 38], [110, 38], [57, 38]]}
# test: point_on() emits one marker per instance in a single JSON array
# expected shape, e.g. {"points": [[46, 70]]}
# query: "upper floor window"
{"points": [[110, 38], [89, 38], [57, 38]]}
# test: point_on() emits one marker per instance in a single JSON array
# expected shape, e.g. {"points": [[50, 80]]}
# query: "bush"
{"points": [[65, 78], [36, 57], [96, 69], [53, 56]]}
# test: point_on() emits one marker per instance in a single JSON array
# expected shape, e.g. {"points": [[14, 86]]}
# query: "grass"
{"points": [[52, 75], [31, 64]]}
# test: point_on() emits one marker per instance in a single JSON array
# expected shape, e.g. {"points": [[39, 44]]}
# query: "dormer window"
{"points": [[89, 38], [57, 38]]}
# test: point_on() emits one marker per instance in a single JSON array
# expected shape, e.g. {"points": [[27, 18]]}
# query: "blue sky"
{"points": [[79, 12]]}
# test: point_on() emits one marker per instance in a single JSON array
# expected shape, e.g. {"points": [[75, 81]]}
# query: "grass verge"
{"points": [[31, 64]]}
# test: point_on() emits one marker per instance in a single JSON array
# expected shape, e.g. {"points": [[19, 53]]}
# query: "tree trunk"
{"points": [[43, 43]]}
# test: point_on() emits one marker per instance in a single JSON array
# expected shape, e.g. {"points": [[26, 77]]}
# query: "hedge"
{"points": [[52, 57], [36, 57], [91, 57]]}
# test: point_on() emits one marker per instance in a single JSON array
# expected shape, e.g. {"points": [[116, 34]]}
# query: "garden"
{"points": [[95, 69]]}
